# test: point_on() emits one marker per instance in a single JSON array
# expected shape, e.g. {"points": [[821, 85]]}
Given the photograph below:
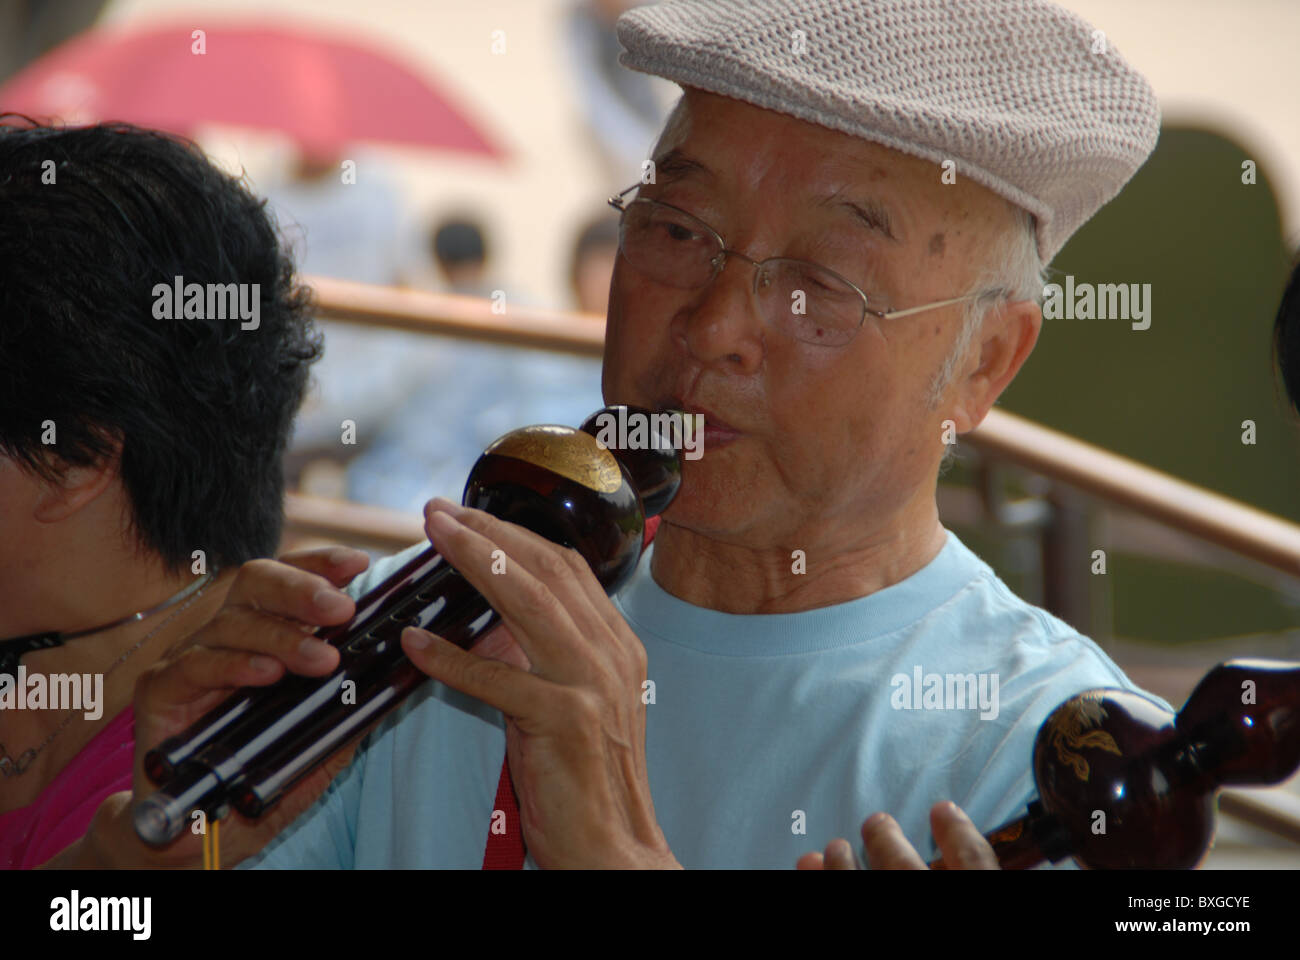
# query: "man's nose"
{"points": [[723, 320]]}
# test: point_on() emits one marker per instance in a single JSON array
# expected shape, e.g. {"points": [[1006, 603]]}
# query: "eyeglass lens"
{"points": [[677, 250]]}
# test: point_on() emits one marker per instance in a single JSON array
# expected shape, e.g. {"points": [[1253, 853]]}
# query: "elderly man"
{"points": [[835, 259]]}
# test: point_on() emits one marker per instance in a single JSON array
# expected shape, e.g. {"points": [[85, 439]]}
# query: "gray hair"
{"points": [[676, 127], [1014, 271]]}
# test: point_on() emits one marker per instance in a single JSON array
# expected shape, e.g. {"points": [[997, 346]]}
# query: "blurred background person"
{"points": [[592, 265], [471, 392], [29, 29], [623, 110], [461, 254], [344, 216]]}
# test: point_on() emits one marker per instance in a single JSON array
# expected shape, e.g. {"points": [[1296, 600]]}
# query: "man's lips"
{"points": [[717, 432]]}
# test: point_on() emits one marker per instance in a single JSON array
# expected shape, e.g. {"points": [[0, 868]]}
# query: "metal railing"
{"points": [[1072, 468]]}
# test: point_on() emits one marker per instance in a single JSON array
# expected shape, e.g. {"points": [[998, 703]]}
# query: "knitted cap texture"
{"points": [[1024, 97]]}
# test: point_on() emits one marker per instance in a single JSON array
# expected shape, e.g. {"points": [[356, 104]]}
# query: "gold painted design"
{"points": [[570, 453], [1070, 727]]}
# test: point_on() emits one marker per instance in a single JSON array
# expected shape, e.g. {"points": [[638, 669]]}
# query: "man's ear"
{"points": [[1004, 343], [76, 487]]}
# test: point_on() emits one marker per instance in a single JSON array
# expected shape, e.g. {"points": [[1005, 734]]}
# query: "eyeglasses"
{"points": [[810, 302]]}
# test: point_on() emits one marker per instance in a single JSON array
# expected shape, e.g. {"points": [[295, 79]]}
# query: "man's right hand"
{"points": [[262, 630]]}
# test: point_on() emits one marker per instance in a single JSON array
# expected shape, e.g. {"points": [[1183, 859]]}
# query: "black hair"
{"points": [[459, 241], [1286, 336], [91, 220]]}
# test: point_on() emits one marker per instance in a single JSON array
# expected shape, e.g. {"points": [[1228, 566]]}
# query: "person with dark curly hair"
{"points": [[140, 456], [1286, 337]]}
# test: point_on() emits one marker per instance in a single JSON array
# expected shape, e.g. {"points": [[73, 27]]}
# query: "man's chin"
{"points": [[712, 507]]}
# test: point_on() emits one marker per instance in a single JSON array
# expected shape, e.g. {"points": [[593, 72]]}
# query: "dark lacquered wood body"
{"points": [[1125, 785], [1127, 790]]}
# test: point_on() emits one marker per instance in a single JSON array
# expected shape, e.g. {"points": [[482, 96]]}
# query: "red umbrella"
{"points": [[325, 92]]}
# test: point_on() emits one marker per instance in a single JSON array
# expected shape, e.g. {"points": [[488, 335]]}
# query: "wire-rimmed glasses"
{"points": [[812, 303]]}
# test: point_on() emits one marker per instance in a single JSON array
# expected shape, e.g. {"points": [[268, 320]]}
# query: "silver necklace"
{"points": [[12, 649], [11, 767]]}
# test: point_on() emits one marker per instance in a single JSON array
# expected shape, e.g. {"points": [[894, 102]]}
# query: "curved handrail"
{"points": [[1133, 486], [450, 315], [342, 520]]}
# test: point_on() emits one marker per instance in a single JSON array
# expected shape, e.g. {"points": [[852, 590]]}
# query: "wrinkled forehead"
{"points": [[758, 155]]}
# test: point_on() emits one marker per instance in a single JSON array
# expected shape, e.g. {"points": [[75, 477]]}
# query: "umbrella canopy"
{"points": [[325, 92]]}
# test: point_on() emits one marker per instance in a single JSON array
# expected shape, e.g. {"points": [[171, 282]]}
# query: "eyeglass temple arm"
{"points": [[617, 201], [895, 314]]}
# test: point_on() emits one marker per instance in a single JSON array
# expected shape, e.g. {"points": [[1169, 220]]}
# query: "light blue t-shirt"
{"points": [[769, 735]]}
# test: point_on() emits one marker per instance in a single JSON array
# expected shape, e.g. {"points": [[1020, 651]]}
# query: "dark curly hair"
{"points": [[1286, 336], [91, 220]]}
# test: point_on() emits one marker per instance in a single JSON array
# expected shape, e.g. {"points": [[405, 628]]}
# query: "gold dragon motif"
{"points": [[1070, 729]]}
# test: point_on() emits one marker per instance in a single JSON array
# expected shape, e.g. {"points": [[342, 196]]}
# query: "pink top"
{"points": [[33, 834]]}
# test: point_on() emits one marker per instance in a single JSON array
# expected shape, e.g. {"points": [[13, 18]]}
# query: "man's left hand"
{"points": [[575, 721], [961, 844]]}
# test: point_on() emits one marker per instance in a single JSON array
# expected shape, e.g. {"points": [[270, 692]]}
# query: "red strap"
{"points": [[505, 851], [651, 527]]}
